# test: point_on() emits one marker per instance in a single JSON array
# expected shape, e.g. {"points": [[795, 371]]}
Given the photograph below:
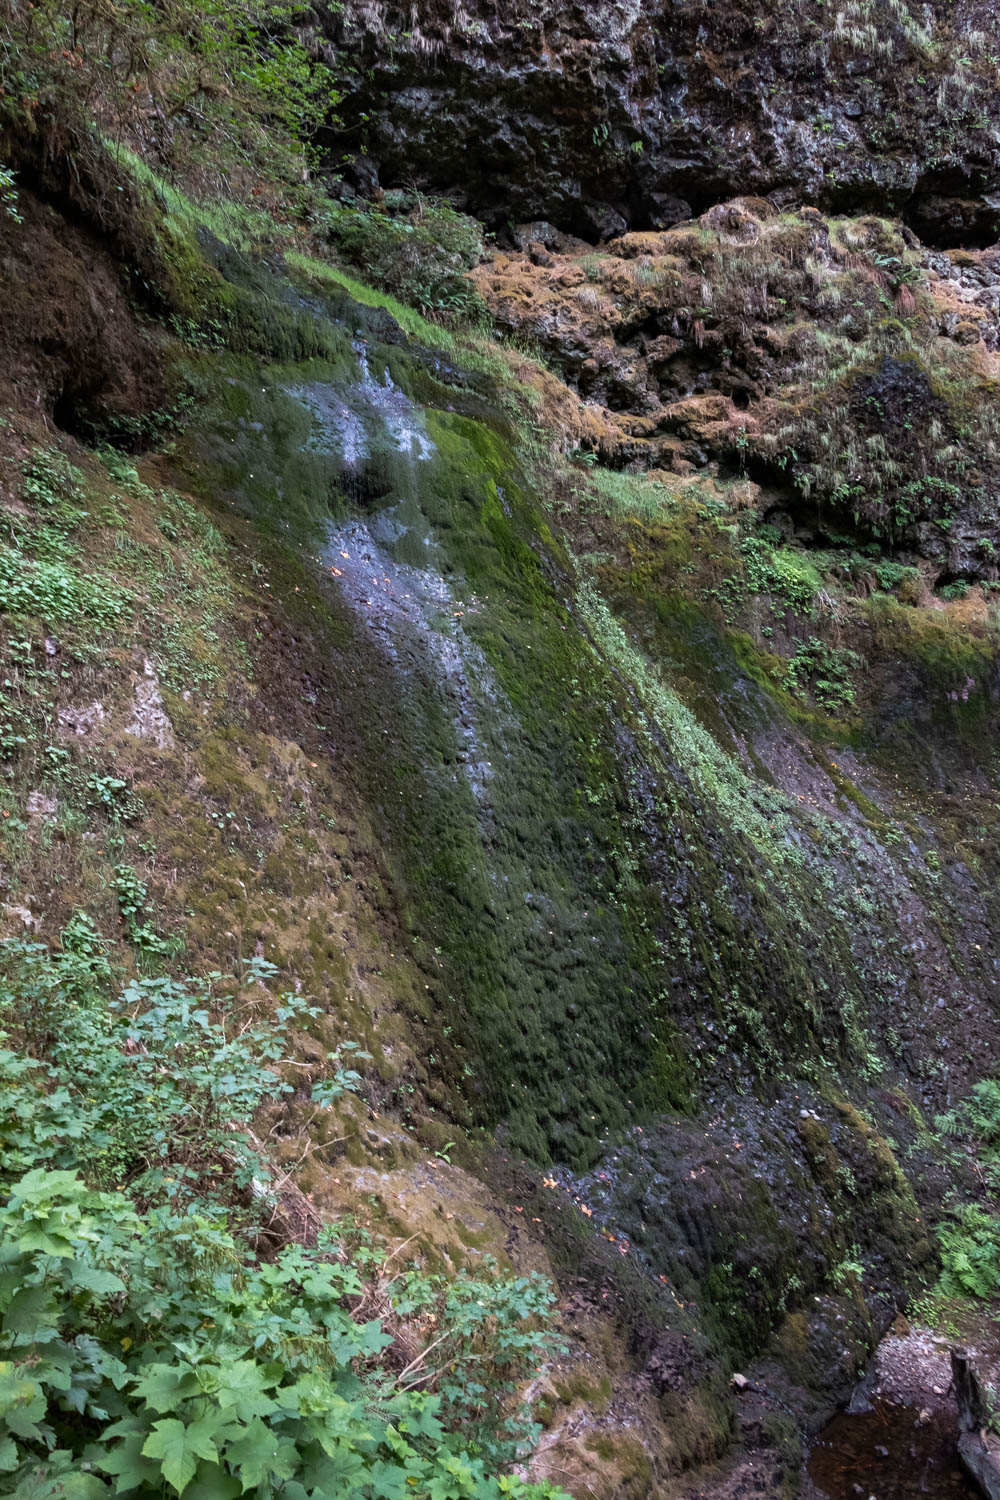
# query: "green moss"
{"points": [[946, 651], [579, 1385], [315, 273]]}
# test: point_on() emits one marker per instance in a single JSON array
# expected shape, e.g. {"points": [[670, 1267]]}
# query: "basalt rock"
{"points": [[978, 1447], [601, 117]]}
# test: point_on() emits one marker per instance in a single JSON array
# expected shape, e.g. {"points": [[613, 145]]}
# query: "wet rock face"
{"points": [[601, 117]]}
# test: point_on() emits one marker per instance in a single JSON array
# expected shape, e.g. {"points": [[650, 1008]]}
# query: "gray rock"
{"points": [[647, 113], [150, 720]]}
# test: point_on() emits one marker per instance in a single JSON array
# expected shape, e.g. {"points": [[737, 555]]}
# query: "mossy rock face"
{"points": [[480, 734], [637, 874], [611, 721], [508, 763]]}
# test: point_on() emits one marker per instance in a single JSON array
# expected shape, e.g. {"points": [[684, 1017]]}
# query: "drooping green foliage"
{"points": [[420, 251], [970, 1238], [970, 1254], [8, 193], [978, 1117], [226, 89]]}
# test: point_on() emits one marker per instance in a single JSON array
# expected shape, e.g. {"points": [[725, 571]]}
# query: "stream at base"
{"points": [[887, 1453]]}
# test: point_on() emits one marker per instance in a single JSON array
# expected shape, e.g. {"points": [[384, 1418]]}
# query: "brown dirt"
{"points": [[75, 347]]}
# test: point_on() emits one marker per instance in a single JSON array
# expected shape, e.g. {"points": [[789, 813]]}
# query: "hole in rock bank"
{"points": [[888, 1453], [73, 411]]}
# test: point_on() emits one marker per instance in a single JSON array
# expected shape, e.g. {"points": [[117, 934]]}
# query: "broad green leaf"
{"points": [[126, 1463], [101, 1283], [212, 1483], [38, 1185], [388, 1482], [334, 1473], [56, 1243], [44, 1484], [164, 1387], [22, 1403], [30, 1309], [178, 1447], [243, 1385], [259, 1455]]}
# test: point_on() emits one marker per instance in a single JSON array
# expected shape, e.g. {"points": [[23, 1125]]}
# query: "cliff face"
{"points": [[603, 734], [599, 117], [648, 846], [843, 366]]}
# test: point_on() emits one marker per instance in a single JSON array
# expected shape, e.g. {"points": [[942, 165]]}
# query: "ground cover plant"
{"points": [[148, 1345]]}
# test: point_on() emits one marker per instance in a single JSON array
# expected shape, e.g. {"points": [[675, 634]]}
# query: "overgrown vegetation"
{"points": [[146, 1342], [970, 1236], [227, 94], [416, 248]]}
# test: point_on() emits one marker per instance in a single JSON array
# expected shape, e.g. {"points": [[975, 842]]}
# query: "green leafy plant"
{"points": [[825, 672], [848, 1272], [145, 1348], [133, 896], [114, 796], [8, 194], [420, 251], [970, 1254], [149, 1355], [889, 575]]}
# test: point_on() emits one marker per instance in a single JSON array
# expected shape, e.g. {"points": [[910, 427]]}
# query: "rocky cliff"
{"points": [[637, 115], [596, 713]]}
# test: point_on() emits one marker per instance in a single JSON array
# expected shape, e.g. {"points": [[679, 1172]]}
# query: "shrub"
{"points": [[230, 88], [148, 1355], [970, 1240], [420, 252], [150, 1087], [889, 575], [970, 1254], [145, 1348]]}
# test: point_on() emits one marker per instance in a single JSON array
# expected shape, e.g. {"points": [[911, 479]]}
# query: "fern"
{"points": [[970, 1254]]}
